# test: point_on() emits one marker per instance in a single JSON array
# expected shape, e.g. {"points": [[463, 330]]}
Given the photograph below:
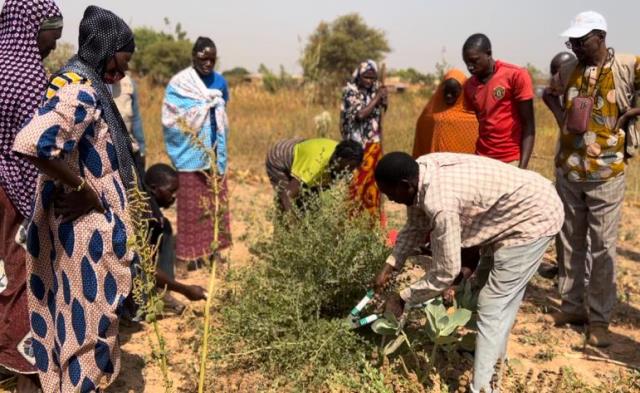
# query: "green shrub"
{"points": [[330, 249], [273, 82], [236, 75], [288, 315], [160, 54]]}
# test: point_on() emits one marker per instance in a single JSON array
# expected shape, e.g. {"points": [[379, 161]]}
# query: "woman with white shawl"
{"points": [[195, 121]]}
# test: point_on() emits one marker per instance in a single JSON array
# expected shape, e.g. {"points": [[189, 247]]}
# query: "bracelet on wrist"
{"points": [[81, 187]]}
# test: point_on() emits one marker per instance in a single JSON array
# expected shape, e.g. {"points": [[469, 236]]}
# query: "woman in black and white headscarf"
{"points": [[78, 265]]}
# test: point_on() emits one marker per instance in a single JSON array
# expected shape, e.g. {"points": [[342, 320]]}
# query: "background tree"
{"points": [[59, 57], [537, 76], [334, 49], [160, 54], [273, 82], [236, 75]]}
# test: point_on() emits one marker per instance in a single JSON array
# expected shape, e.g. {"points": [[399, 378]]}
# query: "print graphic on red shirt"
{"points": [[494, 103]]}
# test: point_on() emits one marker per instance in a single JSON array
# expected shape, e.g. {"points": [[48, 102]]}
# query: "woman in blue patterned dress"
{"points": [[78, 269]]}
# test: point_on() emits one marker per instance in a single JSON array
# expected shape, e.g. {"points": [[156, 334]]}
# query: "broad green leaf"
{"points": [[442, 324], [431, 331], [389, 316], [437, 309], [393, 346], [431, 322], [460, 317], [385, 327]]}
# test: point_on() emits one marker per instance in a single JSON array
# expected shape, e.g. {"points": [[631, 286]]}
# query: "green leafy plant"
{"points": [[388, 325], [161, 54], [286, 314], [334, 251], [144, 290], [273, 82], [441, 325], [440, 328]]}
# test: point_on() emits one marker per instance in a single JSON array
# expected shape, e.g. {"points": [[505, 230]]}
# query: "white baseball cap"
{"points": [[584, 23]]}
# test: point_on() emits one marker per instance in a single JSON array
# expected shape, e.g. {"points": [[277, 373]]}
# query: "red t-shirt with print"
{"points": [[494, 103]]}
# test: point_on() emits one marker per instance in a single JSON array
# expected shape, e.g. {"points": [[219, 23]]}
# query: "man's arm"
{"points": [[412, 235], [191, 292], [525, 112], [629, 115], [553, 102], [288, 194], [445, 243]]}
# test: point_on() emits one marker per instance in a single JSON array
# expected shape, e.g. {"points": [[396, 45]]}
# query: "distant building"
{"points": [[396, 85]]}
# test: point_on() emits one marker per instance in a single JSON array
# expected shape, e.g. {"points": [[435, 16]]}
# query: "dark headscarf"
{"points": [[102, 34], [23, 81], [203, 43]]}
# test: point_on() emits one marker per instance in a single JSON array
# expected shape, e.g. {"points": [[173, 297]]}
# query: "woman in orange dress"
{"points": [[445, 125]]}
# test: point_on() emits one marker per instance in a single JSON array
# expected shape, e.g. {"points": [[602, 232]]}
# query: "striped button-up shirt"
{"points": [[466, 201]]}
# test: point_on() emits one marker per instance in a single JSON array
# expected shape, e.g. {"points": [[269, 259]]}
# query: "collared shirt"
{"points": [[467, 201], [500, 131]]}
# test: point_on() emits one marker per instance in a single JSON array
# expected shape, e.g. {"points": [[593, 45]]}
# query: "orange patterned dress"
{"points": [[443, 128]]}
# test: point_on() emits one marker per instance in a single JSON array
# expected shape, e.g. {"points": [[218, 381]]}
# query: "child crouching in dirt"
{"points": [[297, 164], [469, 201], [161, 183]]}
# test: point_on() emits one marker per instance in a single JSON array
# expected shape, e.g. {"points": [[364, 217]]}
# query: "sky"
{"points": [[420, 32]]}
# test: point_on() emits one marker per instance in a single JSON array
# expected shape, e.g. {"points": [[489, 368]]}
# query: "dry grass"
{"points": [[258, 119]]}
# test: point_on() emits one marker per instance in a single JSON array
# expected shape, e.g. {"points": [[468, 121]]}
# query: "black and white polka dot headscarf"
{"points": [[102, 34]]}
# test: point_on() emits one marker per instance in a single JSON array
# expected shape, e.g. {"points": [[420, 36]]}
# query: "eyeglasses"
{"points": [[577, 43]]}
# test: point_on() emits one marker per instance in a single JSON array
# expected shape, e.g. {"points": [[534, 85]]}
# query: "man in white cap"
{"points": [[596, 119]]}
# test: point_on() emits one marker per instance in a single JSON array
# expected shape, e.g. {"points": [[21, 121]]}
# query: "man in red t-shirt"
{"points": [[501, 95]]}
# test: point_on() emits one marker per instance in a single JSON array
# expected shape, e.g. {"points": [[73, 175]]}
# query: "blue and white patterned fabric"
{"points": [[186, 111]]}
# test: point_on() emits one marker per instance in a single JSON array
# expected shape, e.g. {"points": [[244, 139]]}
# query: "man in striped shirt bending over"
{"points": [[467, 201]]}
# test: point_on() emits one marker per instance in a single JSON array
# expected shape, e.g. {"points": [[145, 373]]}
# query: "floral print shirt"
{"points": [[598, 154], [364, 131]]}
